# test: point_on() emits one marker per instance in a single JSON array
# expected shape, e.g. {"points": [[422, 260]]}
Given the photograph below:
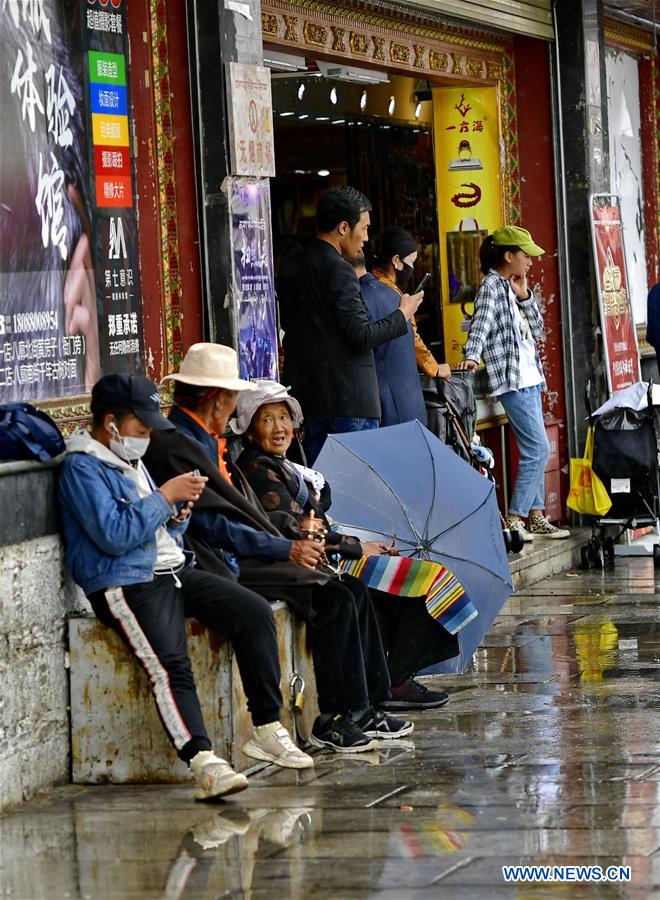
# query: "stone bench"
{"points": [[116, 735]]}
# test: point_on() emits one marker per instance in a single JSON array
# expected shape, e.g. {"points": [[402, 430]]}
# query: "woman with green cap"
{"points": [[504, 330]]}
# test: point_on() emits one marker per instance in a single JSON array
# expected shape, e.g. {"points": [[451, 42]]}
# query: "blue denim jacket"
{"points": [[110, 531]]}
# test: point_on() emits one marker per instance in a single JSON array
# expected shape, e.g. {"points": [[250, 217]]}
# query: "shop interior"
{"points": [[337, 124]]}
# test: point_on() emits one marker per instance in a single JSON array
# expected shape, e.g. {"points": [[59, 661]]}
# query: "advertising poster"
{"points": [[253, 277], [469, 190], [251, 120], [619, 337], [70, 305]]}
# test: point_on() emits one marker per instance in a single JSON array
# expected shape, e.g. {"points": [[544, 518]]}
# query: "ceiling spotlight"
{"points": [[322, 118], [339, 121], [391, 106], [333, 96], [418, 110], [301, 90], [323, 173], [363, 100], [304, 116], [284, 114]]}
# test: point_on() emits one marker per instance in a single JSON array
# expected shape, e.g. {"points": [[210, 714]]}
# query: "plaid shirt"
{"points": [[493, 335]]}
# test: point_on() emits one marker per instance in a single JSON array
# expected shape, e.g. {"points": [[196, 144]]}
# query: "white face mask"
{"points": [[126, 447]]}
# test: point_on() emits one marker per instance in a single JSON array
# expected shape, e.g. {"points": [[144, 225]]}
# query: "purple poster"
{"points": [[253, 277]]}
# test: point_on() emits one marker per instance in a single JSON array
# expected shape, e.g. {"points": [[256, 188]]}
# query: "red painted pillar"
{"points": [[538, 203], [175, 214]]}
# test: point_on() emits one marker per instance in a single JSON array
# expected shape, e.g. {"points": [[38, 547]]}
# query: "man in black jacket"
{"points": [[329, 341]]}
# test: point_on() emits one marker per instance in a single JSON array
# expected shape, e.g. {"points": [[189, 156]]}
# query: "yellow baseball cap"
{"points": [[513, 236]]}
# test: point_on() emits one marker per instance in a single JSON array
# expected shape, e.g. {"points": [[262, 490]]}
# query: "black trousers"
{"points": [[151, 618], [412, 639], [349, 660]]}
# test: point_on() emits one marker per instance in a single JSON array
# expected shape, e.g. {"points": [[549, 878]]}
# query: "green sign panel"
{"points": [[107, 68]]}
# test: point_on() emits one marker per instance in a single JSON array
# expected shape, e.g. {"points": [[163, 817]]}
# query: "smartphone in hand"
{"points": [[425, 280], [183, 509]]}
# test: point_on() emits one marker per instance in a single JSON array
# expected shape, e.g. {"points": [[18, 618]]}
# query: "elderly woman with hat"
{"points": [[229, 530], [267, 416]]}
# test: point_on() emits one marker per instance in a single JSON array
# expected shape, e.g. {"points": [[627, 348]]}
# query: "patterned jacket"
{"points": [[493, 334]]}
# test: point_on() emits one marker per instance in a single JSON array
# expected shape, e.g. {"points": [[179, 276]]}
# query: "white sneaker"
{"points": [[214, 777], [278, 826], [541, 527], [274, 745], [218, 830], [518, 525]]}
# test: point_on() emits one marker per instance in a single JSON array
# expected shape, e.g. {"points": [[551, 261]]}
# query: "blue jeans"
{"points": [[525, 413], [317, 428]]}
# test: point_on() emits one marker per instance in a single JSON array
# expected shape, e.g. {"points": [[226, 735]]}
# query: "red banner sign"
{"points": [[619, 337]]}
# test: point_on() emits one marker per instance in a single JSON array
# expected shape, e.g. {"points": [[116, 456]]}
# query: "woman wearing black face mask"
{"points": [[401, 397], [396, 267], [396, 258]]}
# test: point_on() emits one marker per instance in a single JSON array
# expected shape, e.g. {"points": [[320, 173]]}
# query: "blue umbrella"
{"points": [[402, 480]]}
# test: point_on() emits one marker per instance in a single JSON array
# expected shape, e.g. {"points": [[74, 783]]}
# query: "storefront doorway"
{"points": [[374, 132]]}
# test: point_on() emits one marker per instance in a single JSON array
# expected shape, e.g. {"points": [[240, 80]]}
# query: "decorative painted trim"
{"points": [[509, 129], [627, 37], [646, 351], [166, 186], [71, 415], [401, 40]]}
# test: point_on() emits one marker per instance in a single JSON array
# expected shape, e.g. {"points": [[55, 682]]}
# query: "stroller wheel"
{"points": [[656, 556], [584, 556], [597, 556], [517, 542], [506, 534], [608, 545]]}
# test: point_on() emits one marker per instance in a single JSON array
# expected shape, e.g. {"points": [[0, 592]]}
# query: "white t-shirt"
{"points": [[168, 553], [529, 371]]}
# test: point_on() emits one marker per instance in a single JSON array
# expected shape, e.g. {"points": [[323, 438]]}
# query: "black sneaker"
{"points": [[377, 725], [413, 695], [341, 734]]}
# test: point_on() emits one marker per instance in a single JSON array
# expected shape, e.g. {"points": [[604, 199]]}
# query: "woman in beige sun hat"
{"points": [[229, 527]]}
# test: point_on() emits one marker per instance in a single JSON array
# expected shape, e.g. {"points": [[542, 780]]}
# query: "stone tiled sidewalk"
{"points": [[548, 753]]}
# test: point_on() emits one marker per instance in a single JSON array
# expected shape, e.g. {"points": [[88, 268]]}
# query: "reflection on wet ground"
{"points": [[548, 753]]}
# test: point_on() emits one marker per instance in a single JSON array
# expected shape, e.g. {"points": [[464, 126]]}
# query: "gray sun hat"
{"points": [[263, 392]]}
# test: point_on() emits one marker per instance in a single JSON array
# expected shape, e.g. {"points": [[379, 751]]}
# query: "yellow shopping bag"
{"points": [[587, 494]]}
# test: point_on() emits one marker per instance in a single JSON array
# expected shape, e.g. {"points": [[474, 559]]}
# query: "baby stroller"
{"points": [[451, 412], [626, 461]]}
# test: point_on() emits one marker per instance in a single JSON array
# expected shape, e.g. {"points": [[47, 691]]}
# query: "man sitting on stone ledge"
{"points": [[229, 527], [124, 548]]}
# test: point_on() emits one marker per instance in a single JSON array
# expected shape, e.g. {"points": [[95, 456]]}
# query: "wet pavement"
{"points": [[547, 754]]}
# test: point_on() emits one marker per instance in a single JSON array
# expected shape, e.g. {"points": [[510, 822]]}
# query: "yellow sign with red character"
{"points": [[469, 188]]}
